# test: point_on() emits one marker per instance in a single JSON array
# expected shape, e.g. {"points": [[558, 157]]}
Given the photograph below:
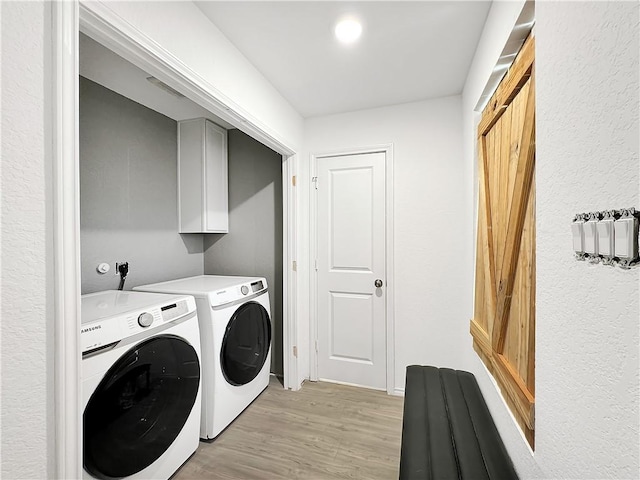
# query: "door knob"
{"points": [[378, 283]]}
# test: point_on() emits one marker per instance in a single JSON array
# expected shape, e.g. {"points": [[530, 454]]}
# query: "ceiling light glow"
{"points": [[348, 30]]}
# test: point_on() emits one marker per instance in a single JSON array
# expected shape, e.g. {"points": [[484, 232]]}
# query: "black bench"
{"points": [[447, 430]]}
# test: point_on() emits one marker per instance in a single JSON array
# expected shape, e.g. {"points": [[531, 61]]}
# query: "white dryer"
{"points": [[235, 331], [140, 384]]}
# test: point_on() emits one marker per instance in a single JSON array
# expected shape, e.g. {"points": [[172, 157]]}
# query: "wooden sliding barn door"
{"points": [[503, 327]]}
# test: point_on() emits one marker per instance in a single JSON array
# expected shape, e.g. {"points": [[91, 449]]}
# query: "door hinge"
{"points": [[293, 180], [295, 351], [295, 266], [316, 346], [315, 181], [315, 264]]}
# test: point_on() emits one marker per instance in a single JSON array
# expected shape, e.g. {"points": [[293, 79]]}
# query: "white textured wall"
{"points": [[26, 330], [588, 316], [184, 31], [431, 258]]}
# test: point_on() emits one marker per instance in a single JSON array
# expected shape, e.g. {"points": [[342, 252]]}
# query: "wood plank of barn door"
{"points": [[515, 388], [509, 87], [485, 284], [531, 338], [488, 245], [524, 176], [517, 328], [517, 358]]}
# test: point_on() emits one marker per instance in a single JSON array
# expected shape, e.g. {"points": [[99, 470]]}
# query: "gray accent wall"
{"points": [[128, 193], [253, 246]]}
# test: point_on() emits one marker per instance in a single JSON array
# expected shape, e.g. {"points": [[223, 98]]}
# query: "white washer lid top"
{"points": [[96, 306], [200, 286]]}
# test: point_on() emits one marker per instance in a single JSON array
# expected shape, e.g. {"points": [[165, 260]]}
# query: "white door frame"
{"points": [[99, 22], [66, 241], [289, 274], [387, 149]]}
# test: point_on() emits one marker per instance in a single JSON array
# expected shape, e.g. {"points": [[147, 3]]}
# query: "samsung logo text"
{"points": [[89, 329]]}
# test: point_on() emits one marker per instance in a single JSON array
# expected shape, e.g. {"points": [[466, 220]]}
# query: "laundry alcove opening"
{"points": [[253, 247], [128, 189]]}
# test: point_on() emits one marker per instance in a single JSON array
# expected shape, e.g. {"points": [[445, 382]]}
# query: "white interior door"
{"points": [[351, 272]]}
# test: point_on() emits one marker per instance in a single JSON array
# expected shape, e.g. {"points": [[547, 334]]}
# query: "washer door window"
{"points": [[246, 344], [140, 407]]}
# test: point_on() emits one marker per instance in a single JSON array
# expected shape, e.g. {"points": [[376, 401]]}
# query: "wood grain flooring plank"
{"points": [[323, 431]]}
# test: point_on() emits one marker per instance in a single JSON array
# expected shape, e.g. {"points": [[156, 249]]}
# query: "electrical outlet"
{"points": [[117, 269]]}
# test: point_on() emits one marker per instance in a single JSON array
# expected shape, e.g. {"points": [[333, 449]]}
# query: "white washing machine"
{"points": [[140, 384], [235, 331]]}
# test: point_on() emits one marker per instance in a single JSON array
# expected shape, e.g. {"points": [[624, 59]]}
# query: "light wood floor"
{"points": [[323, 431]]}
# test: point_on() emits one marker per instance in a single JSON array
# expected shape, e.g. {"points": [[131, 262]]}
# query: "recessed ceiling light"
{"points": [[348, 30]]}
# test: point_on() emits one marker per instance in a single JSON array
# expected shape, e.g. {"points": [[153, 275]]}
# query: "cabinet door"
{"points": [[202, 177], [190, 179], [216, 214]]}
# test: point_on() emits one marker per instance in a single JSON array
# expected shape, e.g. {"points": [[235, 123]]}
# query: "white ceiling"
{"points": [[101, 65], [408, 51]]}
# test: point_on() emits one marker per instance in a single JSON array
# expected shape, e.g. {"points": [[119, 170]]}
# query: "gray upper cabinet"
{"points": [[203, 201]]}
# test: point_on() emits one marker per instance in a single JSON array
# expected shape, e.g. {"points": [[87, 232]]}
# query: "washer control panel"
{"points": [[237, 292], [174, 310], [257, 286], [110, 330], [139, 321]]}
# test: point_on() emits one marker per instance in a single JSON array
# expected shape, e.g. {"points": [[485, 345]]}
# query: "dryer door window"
{"points": [[246, 344], [140, 407]]}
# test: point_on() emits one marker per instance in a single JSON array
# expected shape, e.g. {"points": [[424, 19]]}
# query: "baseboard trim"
{"points": [[352, 385]]}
